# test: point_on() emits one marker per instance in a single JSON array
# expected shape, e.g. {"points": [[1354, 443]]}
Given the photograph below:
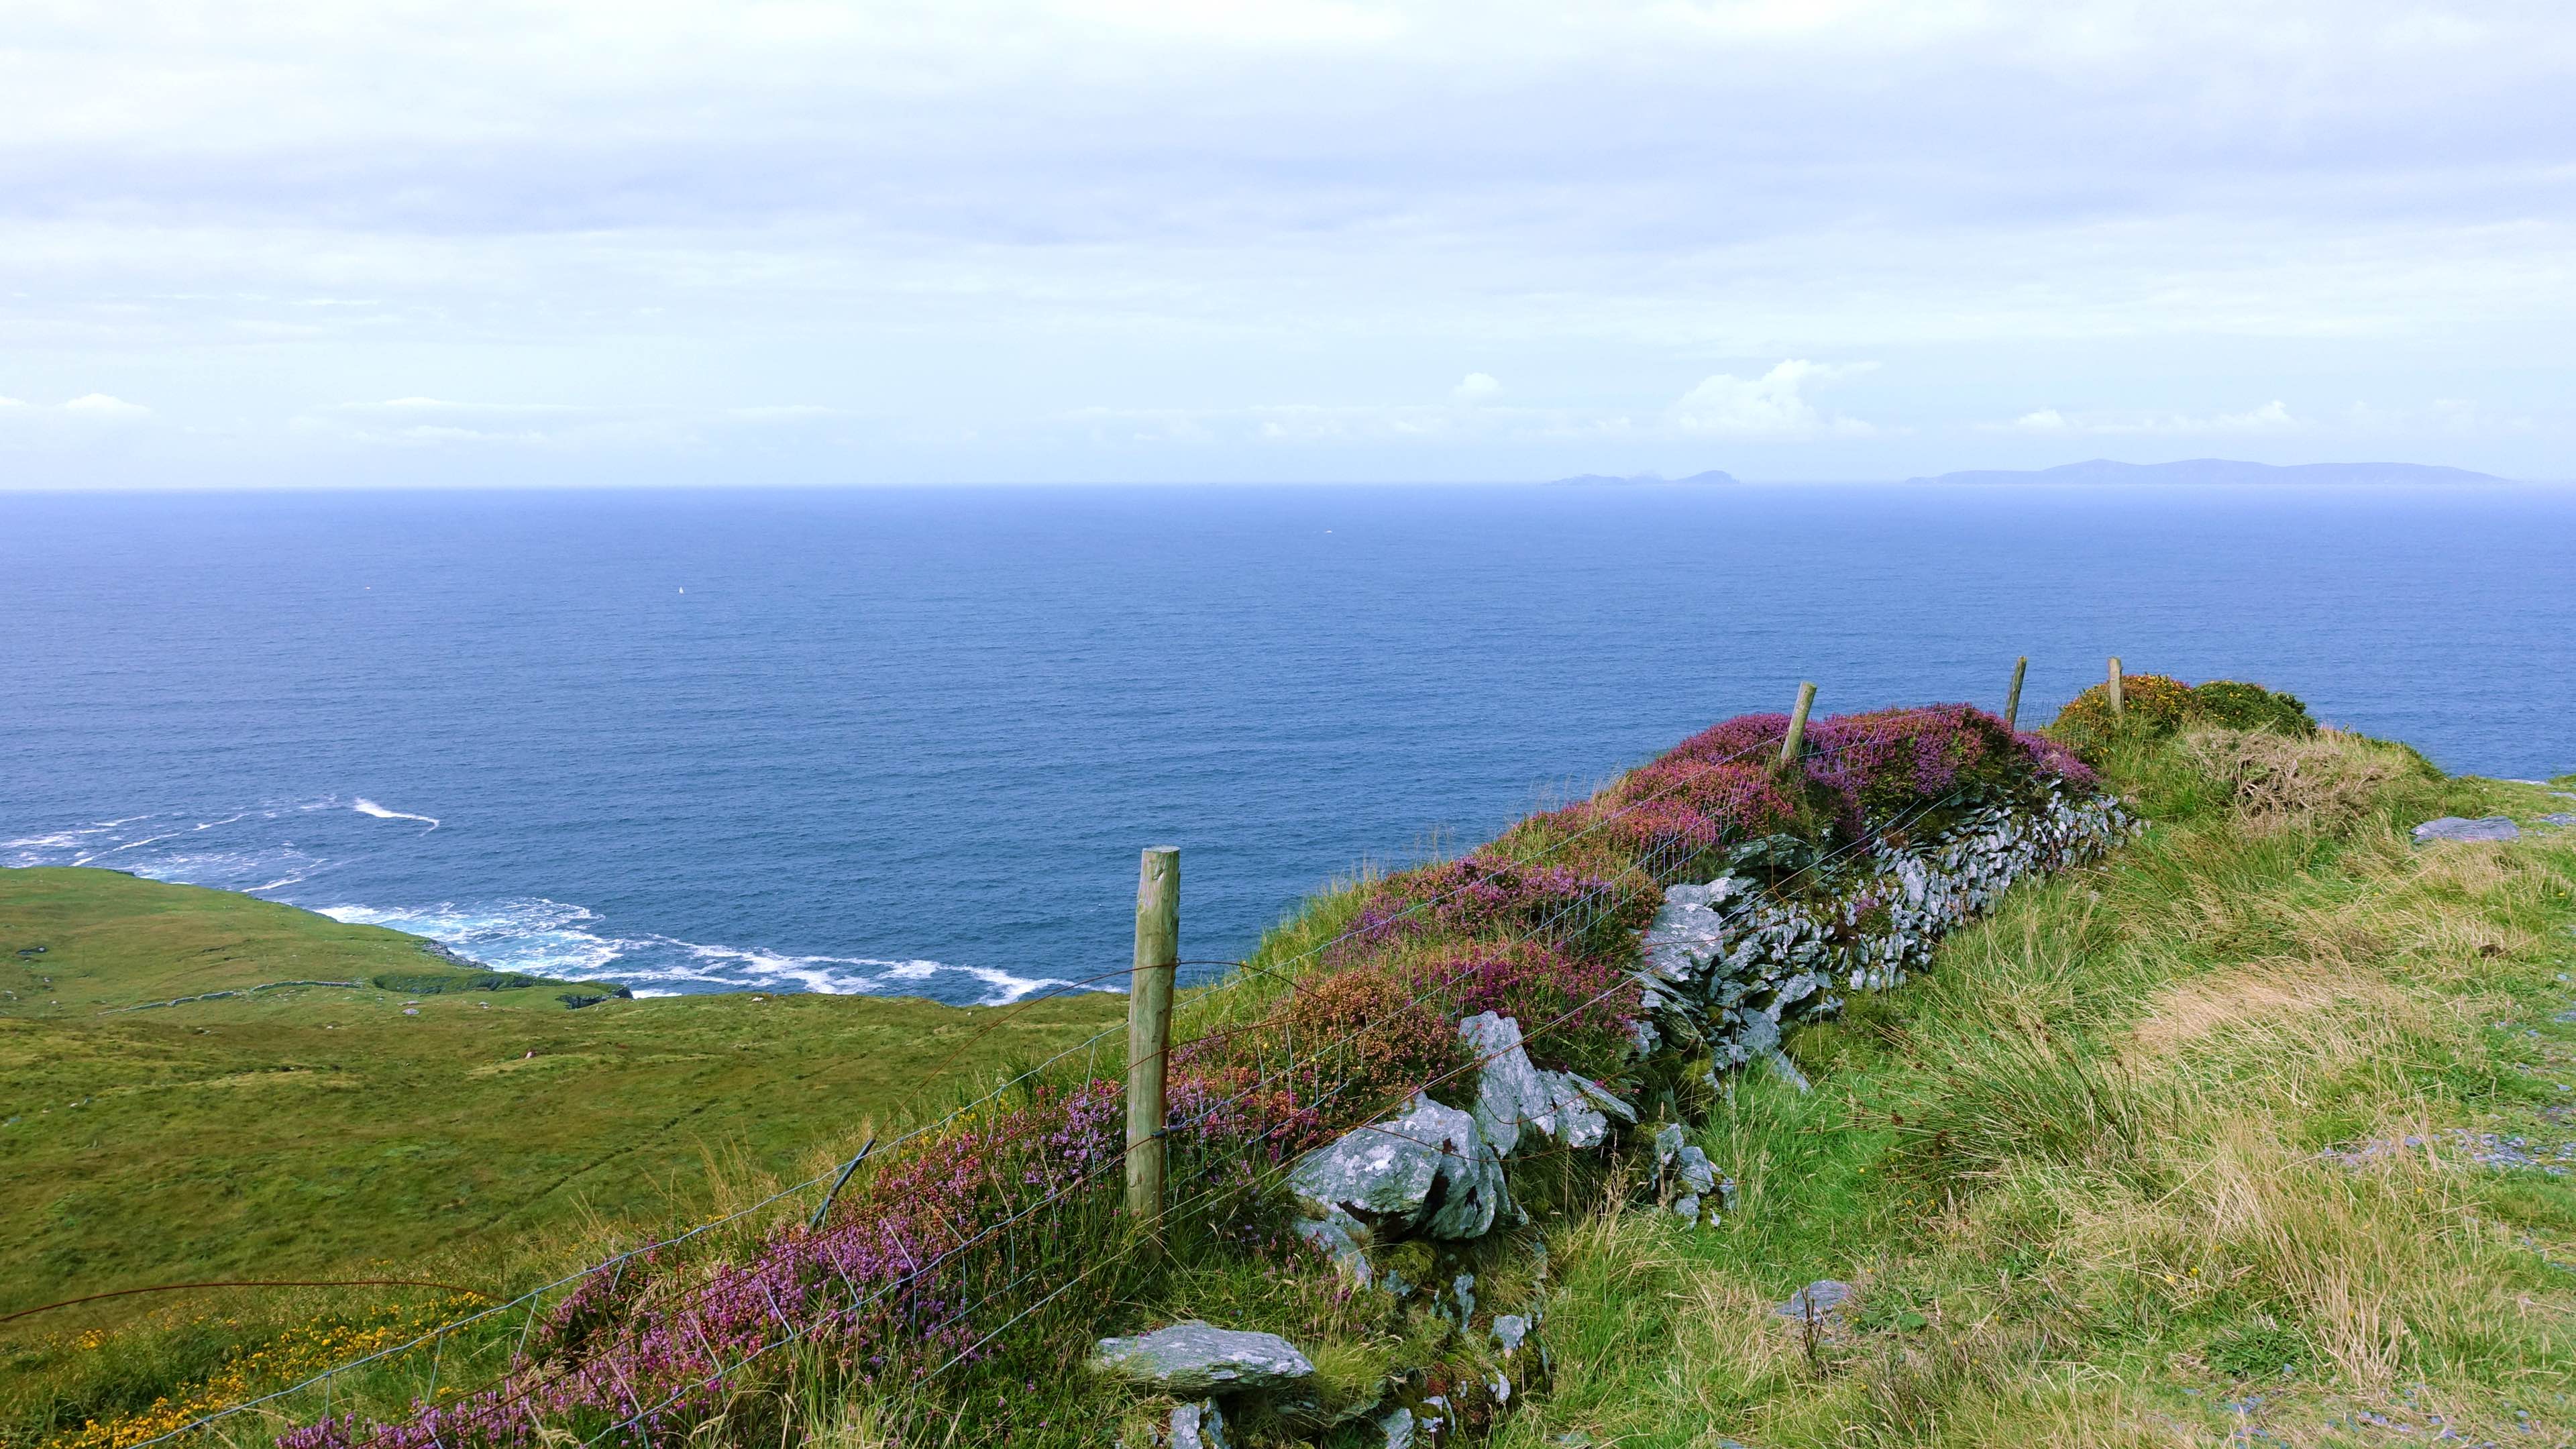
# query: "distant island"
{"points": [[1600, 480], [2217, 470]]}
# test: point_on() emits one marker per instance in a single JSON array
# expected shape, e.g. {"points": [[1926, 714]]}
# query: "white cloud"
{"points": [[1475, 387], [1773, 405], [89, 410], [979, 213]]}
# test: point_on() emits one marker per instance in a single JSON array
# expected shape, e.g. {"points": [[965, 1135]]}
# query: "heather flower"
{"points": [[1574, 1012]]}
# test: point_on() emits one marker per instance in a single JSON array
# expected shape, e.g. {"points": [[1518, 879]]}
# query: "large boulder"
{"points": [[1191, 1359], [1429, 1170]]}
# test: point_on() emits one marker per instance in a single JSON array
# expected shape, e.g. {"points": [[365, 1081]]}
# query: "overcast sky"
{"points": [[626, 241]]}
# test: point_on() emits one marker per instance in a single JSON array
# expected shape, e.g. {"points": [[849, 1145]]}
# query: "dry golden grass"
{"points": [[2081, 1164]]}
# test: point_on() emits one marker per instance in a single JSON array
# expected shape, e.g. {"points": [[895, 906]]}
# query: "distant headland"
{"points": [[2217, 470]]}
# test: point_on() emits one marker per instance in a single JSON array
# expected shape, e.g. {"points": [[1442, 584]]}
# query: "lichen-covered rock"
{"points": [[1397, 1425], [1509, 1092], [1345, 1240], [2452, 827], [1190, 1358], [1510, 1331], [1428, 1170], [1198, 1426], [1514, 1098]]}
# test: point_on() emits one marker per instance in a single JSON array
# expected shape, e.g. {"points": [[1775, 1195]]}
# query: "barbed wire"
{"points": [[1276, 970], [1207, 1194]]}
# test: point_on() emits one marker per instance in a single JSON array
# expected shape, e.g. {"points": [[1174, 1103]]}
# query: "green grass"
{"points": [[2130, 1165], [473, 1137], [2077, 1172]]}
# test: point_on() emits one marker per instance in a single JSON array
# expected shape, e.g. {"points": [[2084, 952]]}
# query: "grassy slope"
{"points": [[320, 1130], [2077, 1172]]}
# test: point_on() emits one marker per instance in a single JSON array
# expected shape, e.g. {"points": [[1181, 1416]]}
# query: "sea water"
{"points": [[911, 741]]}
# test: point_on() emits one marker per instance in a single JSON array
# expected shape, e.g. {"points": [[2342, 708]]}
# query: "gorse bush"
{"points": [[958, 1250], [2155, 706], [2236, 705]]}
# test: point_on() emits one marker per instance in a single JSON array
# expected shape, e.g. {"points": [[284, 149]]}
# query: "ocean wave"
{"points": [[534, 934], [556, 938], [365, 806]]}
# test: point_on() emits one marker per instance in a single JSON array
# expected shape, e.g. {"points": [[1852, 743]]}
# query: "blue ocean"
{"points": [[910, 741]]}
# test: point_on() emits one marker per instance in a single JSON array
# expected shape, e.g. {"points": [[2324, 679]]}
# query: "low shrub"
{"points": [[1487, 896], [2236, 705], [1574, 1014], [2156, 706], [1364, 1038], [1888, 761]]}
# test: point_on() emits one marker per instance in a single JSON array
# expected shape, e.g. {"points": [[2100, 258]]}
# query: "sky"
{"points": [[625, 242]]}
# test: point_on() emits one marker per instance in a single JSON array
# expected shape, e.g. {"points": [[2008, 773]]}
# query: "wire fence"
{"points": [[1205, 1197], [1254, 1168]]}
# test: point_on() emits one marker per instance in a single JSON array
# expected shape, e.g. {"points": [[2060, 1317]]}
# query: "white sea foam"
{"points": [[365, 806]]}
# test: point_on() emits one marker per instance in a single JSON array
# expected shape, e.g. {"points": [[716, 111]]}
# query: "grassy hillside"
{"points": [[2252, 1134], [2256, 1134], [356, 1131]]}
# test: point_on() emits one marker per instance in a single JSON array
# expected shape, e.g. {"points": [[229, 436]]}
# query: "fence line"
{"points": [[1207, 1195], [1275, 971]]}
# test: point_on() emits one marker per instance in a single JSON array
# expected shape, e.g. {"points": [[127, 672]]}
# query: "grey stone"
{"points": [[1696, 1169], [1510, 1330], [1463, 1293], [1599, 1096], [1509, 1091], [1819, 1299], [1344, 1239], [1198, 1426], [1191, 1358], [1429, 1169], [1787, 1071], [1397, 1426], [2452, 827], [2558, 818], [1686, 1207]]}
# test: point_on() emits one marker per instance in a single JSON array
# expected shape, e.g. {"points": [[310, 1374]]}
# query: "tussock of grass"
{"points": [[2079, 1174]]}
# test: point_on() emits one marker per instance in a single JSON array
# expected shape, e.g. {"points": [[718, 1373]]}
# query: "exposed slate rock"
{"points": [[2453, 827], [1514, 1097], [1198, 1426], [1190, 1358], [1428, 1170]]}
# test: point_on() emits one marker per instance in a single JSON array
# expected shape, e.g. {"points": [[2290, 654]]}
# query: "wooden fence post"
{"points": [[2012, 701], [2119, 706], [1149, 1027], [1797, 726]]}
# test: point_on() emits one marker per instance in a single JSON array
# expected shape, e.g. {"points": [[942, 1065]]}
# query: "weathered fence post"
{"points": [[1149, 1026], [1797, 726], [2119, 706], [2012, 700]]}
